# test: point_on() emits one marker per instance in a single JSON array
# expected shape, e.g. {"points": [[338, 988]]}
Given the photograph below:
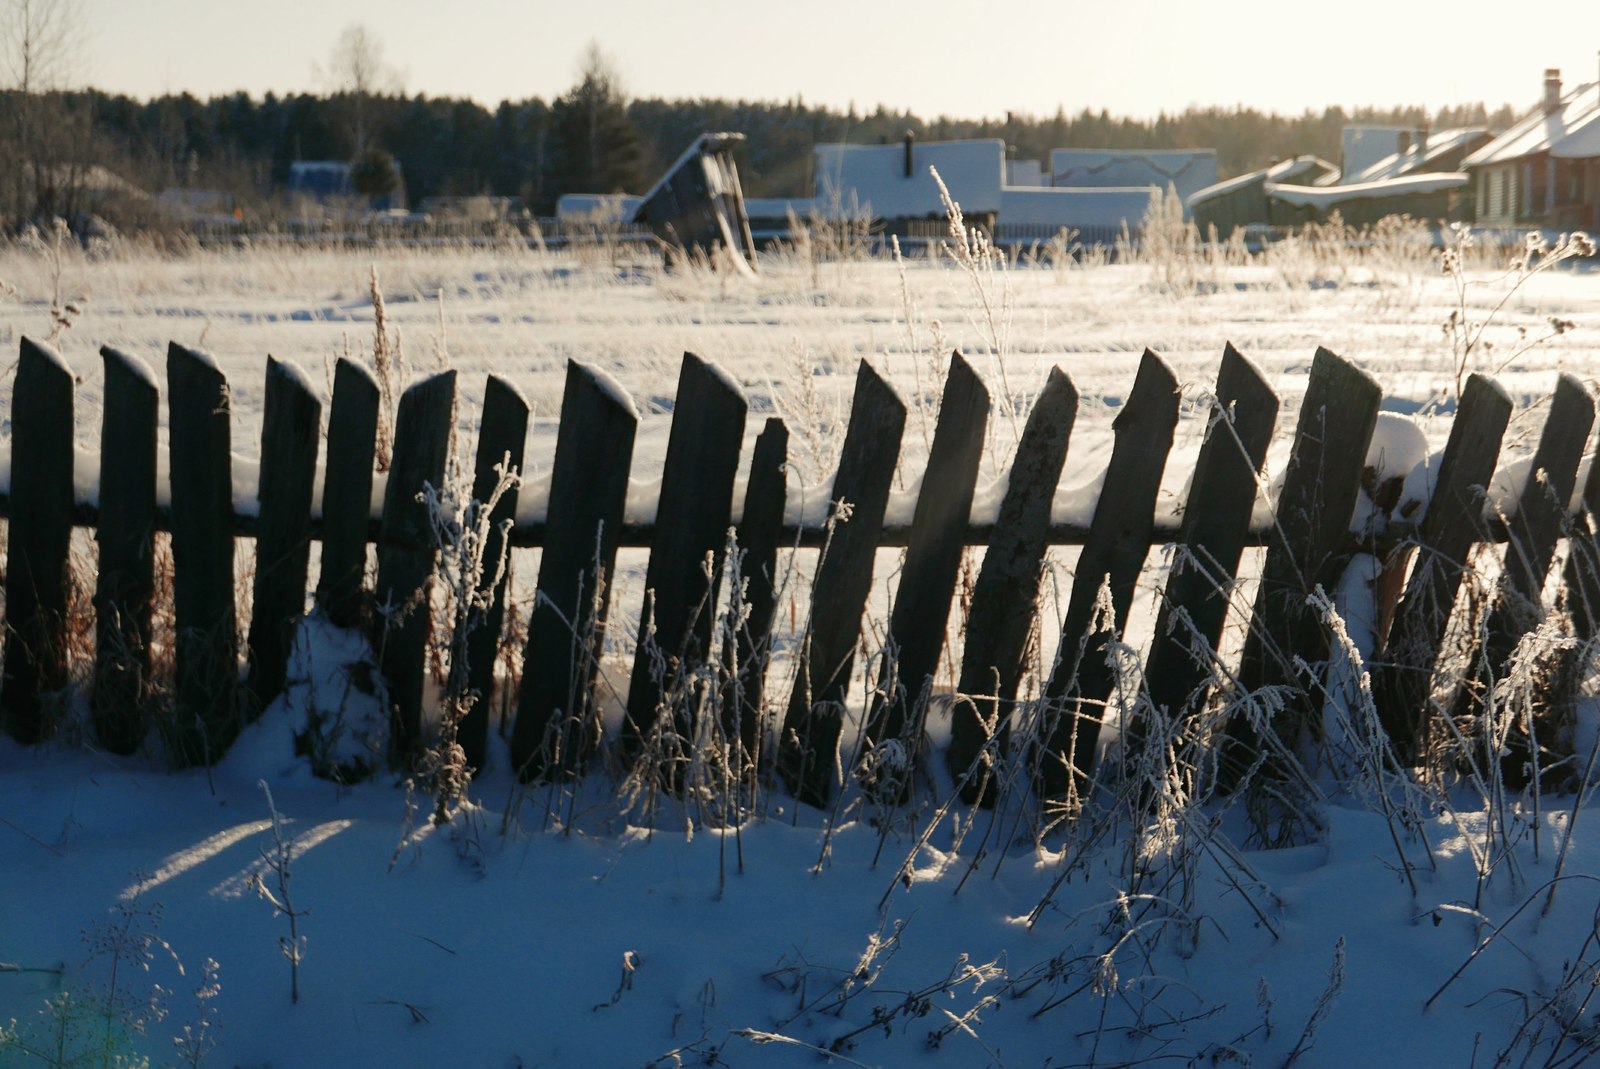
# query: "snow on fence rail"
{"points": [[1307, 544]]}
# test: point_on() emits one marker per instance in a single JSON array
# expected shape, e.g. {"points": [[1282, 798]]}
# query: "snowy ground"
{"points": [[514, 937]]}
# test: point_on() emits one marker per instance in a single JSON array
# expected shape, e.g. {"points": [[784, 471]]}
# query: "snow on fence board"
{"points": [[556, 724]]}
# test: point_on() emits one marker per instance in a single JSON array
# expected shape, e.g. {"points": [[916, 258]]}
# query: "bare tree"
{"points": [[41, 132], [356, 68], [38, 40]]}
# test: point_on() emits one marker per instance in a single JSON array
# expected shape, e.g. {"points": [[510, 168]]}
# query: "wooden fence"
{"points": [[553, 733]]}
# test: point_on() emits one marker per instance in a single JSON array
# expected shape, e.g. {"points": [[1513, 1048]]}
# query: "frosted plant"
{"points": [[1465, 333], [462, 528], [279, 861]]}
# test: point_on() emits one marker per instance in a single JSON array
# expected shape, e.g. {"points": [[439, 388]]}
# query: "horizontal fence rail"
{"points": [[691, 584]]}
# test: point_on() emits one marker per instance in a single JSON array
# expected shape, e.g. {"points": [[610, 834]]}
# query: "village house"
{"points": [[1107, 192], [1186, 170], [1545, 170], [1242, 202]]}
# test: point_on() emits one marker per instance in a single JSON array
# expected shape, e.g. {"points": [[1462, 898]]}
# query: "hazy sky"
{"points": [[1132, 57]]}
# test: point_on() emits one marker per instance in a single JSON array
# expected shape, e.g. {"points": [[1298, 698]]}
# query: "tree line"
{"points": [[590, 139]]}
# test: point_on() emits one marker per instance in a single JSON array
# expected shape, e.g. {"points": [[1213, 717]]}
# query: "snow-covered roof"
{"points": [[1564, 132], [1416, 157], [1328, 196], [1282, 171], [1110, 206], [1362, 145], [1188, 170], [874, 176], [1025, 173]]}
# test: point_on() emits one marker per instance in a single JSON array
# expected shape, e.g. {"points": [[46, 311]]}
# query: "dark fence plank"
{"points": [[1119, 541], [1581, 578], [407, 552], [808, 751], [1401, 680], [291, 434], [205, 704], [347, 494], [39, 539], [1216, 526], [557, 726], [692, 517], [933, 558], [759, 529], [1309, 545], [1005, 598], [1539, 523], [125, 585], [502, 433]]}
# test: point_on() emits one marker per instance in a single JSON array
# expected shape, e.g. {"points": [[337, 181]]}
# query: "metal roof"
{"points": [[1562, 132]]}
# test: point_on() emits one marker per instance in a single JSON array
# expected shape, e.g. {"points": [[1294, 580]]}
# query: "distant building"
{"points": [[1389, 170], [1025, 173], [325, 180], [1426, 197], [1544, 170], [1427, 152], [895, 184], [1243, 201], [1012, 200], [1362, 145], [1186, 170]]}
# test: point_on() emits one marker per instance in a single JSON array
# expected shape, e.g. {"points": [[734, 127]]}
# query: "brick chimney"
{"points": [[1552, 89]]}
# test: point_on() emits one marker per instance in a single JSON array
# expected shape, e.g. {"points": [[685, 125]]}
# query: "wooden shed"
{"points": [[698, 203]]}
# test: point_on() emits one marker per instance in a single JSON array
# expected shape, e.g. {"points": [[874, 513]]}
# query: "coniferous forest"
{"points": [[590, 139]]}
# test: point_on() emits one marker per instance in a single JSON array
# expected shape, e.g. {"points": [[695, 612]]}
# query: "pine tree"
{"points": [[595, 146]]}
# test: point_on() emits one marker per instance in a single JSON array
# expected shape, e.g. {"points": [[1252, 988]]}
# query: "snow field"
{"points": [[513, 938]]}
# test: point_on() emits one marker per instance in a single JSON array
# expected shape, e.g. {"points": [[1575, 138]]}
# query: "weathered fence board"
{"points": [[691, 527], [124, 590], [808, 758], [38, 540], [502, 439], [1581, 576], [1113, 557], [1533, 533], [760, 526], [406, 554], [347, 494], [291, 435], [1005, 597], [917, 624], [1310, 541], [205, 704], [557, 727], [1216, 525], [1401, 678]]}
